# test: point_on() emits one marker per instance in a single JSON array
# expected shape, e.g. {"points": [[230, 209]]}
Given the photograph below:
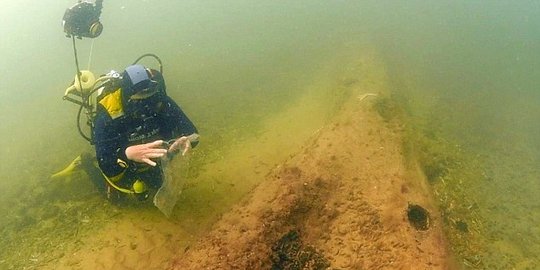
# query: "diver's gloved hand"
{"points": [[181, 143], [144, 153]]}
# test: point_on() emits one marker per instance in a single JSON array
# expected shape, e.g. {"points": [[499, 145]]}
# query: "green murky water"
{"points": [[466, 72]]}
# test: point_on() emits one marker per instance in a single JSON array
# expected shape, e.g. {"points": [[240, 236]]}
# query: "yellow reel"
{"points": [[85, 85]]}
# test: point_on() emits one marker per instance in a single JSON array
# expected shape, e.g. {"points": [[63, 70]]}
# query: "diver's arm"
{"points": [[144, 153], [176, 122], [112, 152], [179, 126], [184, 143]]}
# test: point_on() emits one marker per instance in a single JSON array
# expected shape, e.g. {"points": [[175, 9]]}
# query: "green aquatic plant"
{"points": [[455, 176], [434, 157], [49, 219]]}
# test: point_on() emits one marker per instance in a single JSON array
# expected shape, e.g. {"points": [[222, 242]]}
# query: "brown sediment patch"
{"points": [[345, 194]]}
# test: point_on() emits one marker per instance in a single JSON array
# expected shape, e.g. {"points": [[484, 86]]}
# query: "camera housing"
{"points": [[82, 20]]}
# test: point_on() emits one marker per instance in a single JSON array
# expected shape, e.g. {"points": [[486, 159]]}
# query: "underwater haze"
{"points": [[467, 72]]}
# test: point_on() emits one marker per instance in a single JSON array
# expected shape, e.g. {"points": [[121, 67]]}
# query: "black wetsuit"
{"points": [[142, 121]]}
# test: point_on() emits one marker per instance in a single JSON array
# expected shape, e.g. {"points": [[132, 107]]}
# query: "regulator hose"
{"points": [[153, 56]]}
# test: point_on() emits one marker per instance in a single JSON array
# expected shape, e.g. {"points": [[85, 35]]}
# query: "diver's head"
{"points": [[138, 83]]}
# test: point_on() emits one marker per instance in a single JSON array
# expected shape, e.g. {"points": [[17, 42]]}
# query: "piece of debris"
{"points": [[418, 217]]}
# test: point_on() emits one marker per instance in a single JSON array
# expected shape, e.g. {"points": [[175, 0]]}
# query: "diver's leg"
{"points": [[89, 165]]}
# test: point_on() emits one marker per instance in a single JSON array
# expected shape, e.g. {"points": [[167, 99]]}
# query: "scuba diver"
{"points": [[136, 125]]}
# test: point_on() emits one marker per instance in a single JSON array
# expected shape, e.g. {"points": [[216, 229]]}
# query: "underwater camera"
{"points": [[82, 20]]}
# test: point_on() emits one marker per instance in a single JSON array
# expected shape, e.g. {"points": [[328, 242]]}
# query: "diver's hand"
{"points": [[181, 143], [144, 153]]}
